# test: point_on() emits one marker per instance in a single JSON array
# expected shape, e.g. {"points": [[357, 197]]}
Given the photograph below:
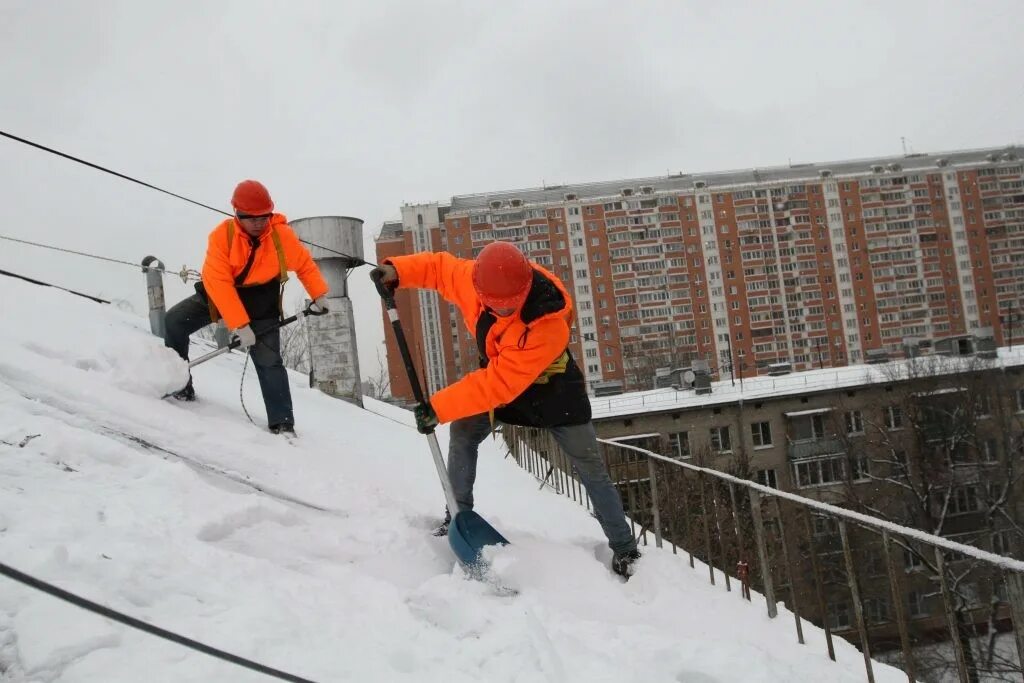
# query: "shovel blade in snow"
{"points": [[468, 535]]}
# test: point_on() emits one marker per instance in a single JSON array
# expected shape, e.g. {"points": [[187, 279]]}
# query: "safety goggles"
{"points": [[251, 217]]}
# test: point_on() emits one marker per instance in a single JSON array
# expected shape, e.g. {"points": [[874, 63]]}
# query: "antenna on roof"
{"points": [[903, 141]]}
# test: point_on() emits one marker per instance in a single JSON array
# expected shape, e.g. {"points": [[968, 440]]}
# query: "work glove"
{"points": [[245, 336], [426, 418], [321, 304], [388, 275]]}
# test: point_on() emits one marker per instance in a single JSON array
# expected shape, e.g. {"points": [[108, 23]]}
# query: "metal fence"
{"points": [[932, 606]]}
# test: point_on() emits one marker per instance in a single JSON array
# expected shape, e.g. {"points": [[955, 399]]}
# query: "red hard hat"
{"points": [[251, 197], [502, 276]]}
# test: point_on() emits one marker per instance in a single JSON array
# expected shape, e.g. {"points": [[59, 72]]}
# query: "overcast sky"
{"points": [[354, 108]]}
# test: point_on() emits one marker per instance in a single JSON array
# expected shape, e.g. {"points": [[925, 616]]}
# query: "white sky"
{"points": [[354, 108]]}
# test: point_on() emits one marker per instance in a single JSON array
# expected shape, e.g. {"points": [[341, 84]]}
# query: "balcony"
{"points": [[812, 448]]}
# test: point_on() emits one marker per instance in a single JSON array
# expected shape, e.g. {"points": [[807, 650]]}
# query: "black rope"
{"points": [[47, 284], [107, 170], [144, 626], [353, 261], [188, 275]]}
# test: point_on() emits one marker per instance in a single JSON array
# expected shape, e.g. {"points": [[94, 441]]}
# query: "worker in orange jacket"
{"points": [[248, 257], [519, 314]]}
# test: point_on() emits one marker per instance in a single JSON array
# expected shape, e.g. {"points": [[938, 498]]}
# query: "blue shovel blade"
{"points": [[468, 535]]}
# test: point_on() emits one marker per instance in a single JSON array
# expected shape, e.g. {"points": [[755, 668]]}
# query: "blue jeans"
{"points": [[579, 443], [193, 313]]}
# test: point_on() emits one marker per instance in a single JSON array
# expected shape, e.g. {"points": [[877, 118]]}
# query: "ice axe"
{"points": [[468, 532], [235, 343]]}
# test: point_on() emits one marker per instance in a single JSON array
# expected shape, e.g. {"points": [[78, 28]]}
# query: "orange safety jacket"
{"points": [[278, 252], [527, 374]]}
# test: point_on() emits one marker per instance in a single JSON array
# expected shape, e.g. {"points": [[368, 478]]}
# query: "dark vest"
{"points": [[559, 396]]}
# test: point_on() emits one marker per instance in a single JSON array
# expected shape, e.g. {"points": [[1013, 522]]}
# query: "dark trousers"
{"points": [[578, 441], [193, 314]]}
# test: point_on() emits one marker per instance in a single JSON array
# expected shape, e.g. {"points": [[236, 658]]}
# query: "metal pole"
{"points": [[1015, 594], [740, 540], [897, 600], [954, 629], [721, 536], [707, 528], [155, 294], [789, 573], [686, 516], [655, 509], [858, 607], [822, 610], [762, 552]]}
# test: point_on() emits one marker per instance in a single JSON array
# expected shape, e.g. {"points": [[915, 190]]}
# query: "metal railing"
{"points": [[784, 544]]}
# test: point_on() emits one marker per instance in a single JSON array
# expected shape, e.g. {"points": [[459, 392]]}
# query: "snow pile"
{"points": [[313, 557]]}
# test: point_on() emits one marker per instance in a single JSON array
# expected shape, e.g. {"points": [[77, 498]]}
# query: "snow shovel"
{"points": [[236, 343], [468, 532]]}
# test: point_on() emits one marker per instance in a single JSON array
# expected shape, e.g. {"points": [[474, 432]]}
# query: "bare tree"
{"points": [[943, 454], [380, 381]]}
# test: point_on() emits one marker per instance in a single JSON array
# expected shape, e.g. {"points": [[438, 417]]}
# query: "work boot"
{"points": [[286, 429], [442, 530], [622, 563], [186, 394]]}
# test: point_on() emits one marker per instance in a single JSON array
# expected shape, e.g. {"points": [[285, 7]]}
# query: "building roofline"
{"points": [[765, 388], [737, 178]]}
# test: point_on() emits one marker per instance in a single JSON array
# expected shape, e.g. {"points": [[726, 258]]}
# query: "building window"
{"points": [[917, 604], [767, 478], [839, 616], [808, 427], [876, 610], [720, 440], [761, 433], [912, 560], [990, 450], [828, 470], [854, 422], [679, 445], [1020, 400], [893, 417], [1001, 543], [964, 500]]}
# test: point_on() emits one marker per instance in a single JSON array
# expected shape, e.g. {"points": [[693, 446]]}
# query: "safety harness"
{"points": [[282, 276]]}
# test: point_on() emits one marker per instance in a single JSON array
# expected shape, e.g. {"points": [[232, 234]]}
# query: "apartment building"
{"points": [[804, 266]]}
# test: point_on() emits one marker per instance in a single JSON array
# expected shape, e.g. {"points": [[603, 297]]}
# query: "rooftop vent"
{"points": [[942, 162], [646, 189], [495, 203], [700, 184], [992, 156], [877, 168], [1009, 156], [825, 173], [515, 202], [895, 167], [627, 192], [570, 196]]}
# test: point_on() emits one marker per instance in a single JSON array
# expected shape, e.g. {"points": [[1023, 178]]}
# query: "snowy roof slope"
{"points": [[311, 557]]}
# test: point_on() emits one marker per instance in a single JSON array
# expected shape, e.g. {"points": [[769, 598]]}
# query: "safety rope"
{"points": [[186, 274], [353, 261], [109, 613], [241, 386]]}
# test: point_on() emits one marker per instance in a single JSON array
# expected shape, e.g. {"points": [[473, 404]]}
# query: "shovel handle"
{"points": [[388, 295]]}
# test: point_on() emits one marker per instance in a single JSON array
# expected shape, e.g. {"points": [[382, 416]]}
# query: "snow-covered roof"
{"points": [[798, 383]]}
